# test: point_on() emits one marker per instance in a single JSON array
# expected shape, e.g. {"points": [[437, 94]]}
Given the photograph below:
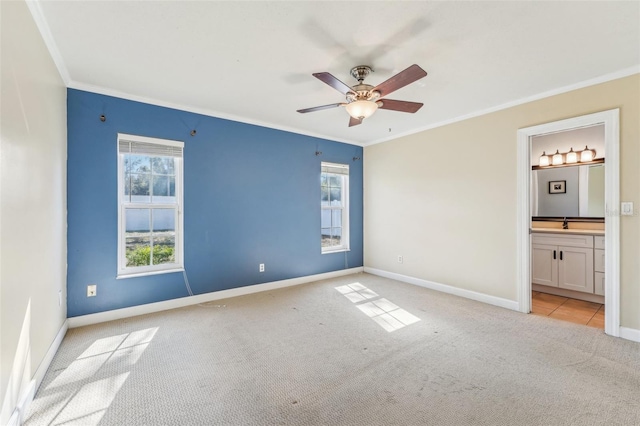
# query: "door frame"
{"points": [[611, 121]]}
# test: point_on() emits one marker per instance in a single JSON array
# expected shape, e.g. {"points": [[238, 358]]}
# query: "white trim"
{"points": [[122, 270], [146, 139], [43, 27], [47, 37], [17, 417], [444, 288], [610, 119], [523, 223], [626, 72], [211, 113], [345, 241], [203, 111], [202, 298], [630, 334], [147, 273]]}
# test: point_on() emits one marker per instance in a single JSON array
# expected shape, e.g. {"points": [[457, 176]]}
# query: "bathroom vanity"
{"points": [[568, 262]]}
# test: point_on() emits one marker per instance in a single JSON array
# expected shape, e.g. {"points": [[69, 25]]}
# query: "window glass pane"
{"points": [[160, 189], [172, 188], [335, 196], [127, 185], [325, 218], [323, 180], [336, 236], [164, 220], [325, 196], [164, 236], [140, 188], [335, 181], [326, 237], [164, 247], [163, 165], [138, 250], [138, 163], [137, 220], [336, 218]]}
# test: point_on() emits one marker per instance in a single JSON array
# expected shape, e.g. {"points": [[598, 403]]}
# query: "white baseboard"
{"points": [[444, 288], [630, 334], [115, 314], [17, 417]]}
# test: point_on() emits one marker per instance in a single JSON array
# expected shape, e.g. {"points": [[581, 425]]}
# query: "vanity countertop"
{"points": [[568, 231]]}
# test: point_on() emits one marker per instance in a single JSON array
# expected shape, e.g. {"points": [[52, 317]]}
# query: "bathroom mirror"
{"points": [[576, 191]]}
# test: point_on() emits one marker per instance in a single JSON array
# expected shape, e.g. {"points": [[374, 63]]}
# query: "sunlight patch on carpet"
{"points": [[81, 394], [385, 313]]}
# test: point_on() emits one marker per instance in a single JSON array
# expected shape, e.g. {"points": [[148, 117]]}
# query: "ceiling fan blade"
{"points": [[402, 106], [354, 121], [318, 108], [329, 79], [398, 81]]}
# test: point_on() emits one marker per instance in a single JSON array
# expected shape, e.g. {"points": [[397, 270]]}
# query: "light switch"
{"points": [[626, 208]]}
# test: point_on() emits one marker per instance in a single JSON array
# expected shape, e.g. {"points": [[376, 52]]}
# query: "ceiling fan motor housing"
{"points": [[363, 92]]}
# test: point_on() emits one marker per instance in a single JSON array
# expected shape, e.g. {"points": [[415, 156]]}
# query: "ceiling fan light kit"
{"points": [[361, 109], [363, 100]]}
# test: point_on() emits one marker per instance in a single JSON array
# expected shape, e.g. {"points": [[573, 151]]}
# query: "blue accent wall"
{"points": [[251, 196]]}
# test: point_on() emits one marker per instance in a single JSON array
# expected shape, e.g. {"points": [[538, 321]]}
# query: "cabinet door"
{"points": [[575, 270], [598, 285], [544, 268], [598, 260]]}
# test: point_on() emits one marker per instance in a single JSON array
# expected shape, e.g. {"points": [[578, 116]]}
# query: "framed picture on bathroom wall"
{"points": [[558, 187]]}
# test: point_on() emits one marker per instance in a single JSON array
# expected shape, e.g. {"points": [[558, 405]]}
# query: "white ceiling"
{"points": [[252, 61]]}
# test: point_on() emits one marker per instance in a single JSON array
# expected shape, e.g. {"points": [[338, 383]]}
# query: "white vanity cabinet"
{"points": [[563, 261], [598, 265]]}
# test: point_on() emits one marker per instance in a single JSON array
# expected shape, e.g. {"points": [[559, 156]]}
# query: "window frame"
{"points": [[345, 238], [129, 272]]}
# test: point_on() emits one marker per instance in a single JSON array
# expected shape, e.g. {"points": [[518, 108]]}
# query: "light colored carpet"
{"points": [[317, 355]]}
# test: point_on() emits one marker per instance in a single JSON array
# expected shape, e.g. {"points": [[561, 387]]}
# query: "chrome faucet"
{"points": [[565, 224]]}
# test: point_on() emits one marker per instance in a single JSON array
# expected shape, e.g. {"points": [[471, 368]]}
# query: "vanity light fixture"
{"points": [[557, 158], [544, 160], [560, 159], [571, 156], [587, 154]]}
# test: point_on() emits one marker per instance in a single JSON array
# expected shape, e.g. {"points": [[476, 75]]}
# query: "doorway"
{"points": [[610, 120]]}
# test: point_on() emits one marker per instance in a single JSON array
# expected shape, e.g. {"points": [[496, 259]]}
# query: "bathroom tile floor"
{"points": [[566, 309]]}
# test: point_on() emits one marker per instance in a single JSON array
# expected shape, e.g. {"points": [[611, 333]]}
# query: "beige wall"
{"points": [[33, 202], [446, 199]]}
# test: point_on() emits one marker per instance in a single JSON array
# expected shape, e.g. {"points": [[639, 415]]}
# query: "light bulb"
{"points": [[572, 156], [557, 159], [544, 160], [587, 154]]}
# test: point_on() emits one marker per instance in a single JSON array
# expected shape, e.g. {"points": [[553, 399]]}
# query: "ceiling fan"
{"points": [[364, 99]]}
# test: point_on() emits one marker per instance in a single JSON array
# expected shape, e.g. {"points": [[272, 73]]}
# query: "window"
{"points": [[149, 205], [334, 221]]}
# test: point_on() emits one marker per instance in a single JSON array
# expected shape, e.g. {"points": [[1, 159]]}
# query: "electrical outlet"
{"points": [[262, 267], [400, 258], [92, 289]]}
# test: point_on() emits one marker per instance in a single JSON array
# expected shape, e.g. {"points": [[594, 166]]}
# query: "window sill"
{"points": [[335, 251], [146, 273]]}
